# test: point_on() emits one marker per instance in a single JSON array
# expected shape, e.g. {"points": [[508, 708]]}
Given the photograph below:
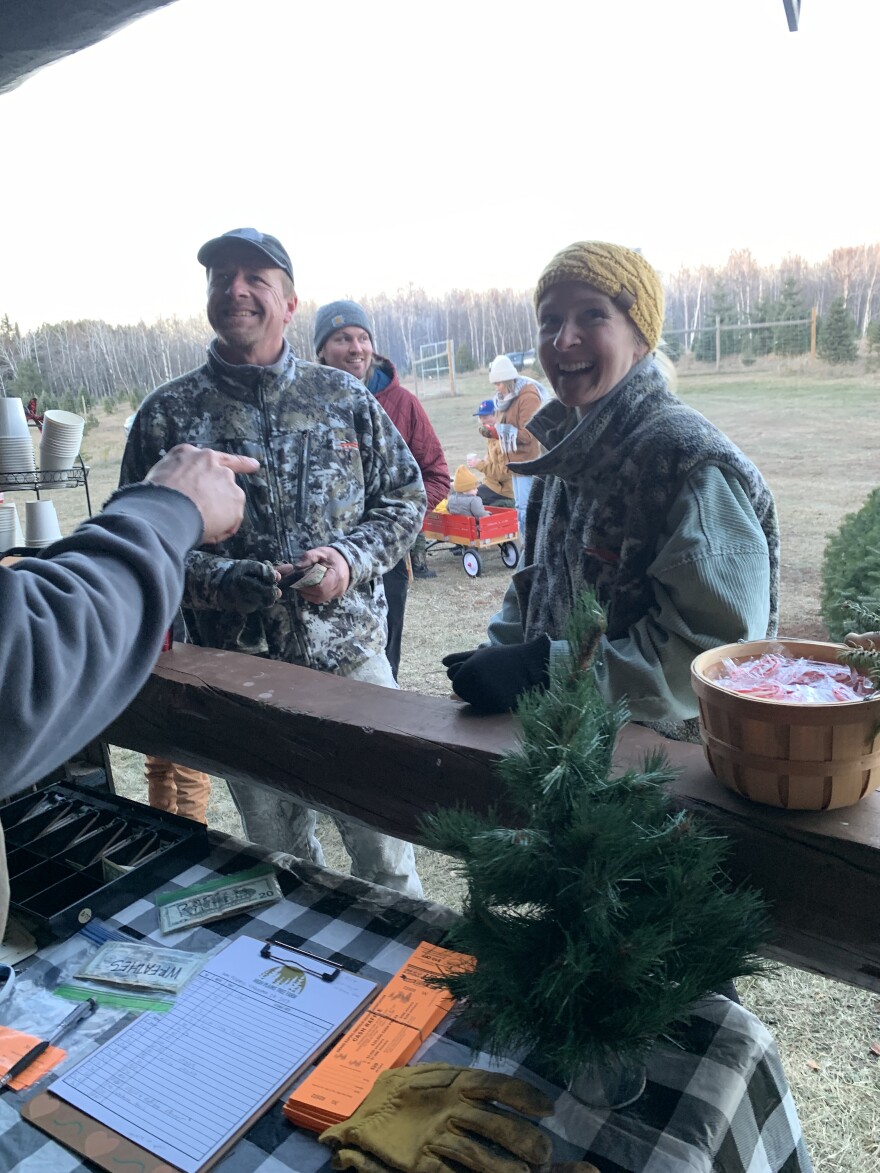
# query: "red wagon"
{"points": [[499, 528]]}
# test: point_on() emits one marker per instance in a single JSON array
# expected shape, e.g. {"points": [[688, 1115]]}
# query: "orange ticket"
{"points": [[387, 1035], [408, 999], [341, 1081], [14, 1044]]}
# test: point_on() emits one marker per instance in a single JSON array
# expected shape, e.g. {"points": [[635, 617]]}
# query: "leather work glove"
{"points": [[493, 679], [247, 586], [506, 436], [434, 1118], [868, 641]]}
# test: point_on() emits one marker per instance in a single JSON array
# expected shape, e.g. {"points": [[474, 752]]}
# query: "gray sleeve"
{"points": [[505, 627], [82, 626]]}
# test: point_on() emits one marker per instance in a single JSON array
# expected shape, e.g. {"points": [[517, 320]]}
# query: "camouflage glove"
{"points": [[247, 586], [433, 1118], [493, 679]]}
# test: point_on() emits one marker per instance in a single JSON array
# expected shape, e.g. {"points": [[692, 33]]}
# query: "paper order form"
{"points": [[184, 1084]]}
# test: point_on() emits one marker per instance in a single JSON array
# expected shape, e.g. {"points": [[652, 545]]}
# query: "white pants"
{"points": [[283, 823], [522, 486]]}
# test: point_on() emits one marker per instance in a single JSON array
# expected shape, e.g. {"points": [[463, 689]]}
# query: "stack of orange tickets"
{"points": [[387, 1035]]}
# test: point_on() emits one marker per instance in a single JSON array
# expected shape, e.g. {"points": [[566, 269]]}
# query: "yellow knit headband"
{"points": [[619, 273]]}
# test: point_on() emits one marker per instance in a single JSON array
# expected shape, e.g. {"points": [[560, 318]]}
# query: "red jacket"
{"points": [[411, 420]]}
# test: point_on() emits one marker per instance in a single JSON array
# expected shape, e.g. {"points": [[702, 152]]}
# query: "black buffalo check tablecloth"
{"points": [[722, 1104]]}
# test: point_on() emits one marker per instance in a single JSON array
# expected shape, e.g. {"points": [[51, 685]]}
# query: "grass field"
{"points": [[815, 440]]}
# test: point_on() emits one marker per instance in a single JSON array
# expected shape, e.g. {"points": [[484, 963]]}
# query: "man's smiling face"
{"points": [[248, 305], [349, 349]]}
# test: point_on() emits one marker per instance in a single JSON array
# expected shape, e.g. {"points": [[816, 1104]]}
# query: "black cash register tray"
{"points": [[74, 855]]}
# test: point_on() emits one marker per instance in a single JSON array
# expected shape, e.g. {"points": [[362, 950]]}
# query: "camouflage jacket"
{"points": [[334, 472]]}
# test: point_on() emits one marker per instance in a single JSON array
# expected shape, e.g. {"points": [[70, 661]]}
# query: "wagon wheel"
{"points": [[472, 563], [509, 554]]}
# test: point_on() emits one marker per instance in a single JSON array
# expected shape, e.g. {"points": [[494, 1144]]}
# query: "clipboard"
{"points": [[75, 1130], [153, 1092]]}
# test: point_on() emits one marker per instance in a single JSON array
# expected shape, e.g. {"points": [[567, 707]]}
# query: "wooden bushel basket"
{"points": [[803, 757]]}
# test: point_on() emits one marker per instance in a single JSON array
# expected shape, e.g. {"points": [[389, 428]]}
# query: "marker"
{"points": [[82, 1011]]}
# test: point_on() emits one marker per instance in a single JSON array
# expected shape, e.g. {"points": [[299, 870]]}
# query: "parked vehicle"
{"points": [[522, 358]]}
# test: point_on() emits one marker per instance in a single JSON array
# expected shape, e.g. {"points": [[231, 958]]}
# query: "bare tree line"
{"points": [[99, 361]]}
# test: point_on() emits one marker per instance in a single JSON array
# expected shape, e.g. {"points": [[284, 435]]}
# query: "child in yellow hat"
{"points": [[463, 499]]}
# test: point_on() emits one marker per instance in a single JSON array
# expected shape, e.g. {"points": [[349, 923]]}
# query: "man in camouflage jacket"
{"points": [[337, 486]]}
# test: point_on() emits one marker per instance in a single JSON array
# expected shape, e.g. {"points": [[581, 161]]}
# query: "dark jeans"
{"points": [[396, 582], [489, 497]]}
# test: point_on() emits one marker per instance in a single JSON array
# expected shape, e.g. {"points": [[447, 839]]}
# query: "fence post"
{"points": [[717, 342], [814, 313], [450, 358]]}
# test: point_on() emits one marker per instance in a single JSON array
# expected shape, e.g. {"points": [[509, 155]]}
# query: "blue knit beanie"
{"points": [[335, 316]]}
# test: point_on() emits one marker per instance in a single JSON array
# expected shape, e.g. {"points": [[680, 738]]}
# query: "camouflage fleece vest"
{"points": [[604, 491], [333, 471]]}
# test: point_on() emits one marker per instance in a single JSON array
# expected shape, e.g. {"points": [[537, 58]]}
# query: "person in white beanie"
{"points": [[516, 401]]}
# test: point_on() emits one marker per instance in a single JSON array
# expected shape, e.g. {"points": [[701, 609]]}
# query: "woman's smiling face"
{"points": [[585, 343]]}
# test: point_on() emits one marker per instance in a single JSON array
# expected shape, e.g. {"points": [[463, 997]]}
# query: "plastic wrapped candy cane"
{"points": [[795, 680]]}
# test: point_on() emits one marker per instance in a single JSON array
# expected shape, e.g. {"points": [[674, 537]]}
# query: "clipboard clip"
{"points": [[328, 974]]}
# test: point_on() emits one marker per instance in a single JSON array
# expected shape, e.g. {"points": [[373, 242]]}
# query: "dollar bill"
{"points": [[131, 964], [197, 906], [300, 579]]}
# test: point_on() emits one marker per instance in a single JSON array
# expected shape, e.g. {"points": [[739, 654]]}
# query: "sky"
{"points": [[444, 145]]}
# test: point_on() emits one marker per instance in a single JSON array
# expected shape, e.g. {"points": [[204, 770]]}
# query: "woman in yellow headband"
{"points": [[638, 497]]}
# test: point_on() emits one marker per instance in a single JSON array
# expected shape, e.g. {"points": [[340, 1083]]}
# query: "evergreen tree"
{"points": [[723, 308], [599, 920], [872, 338], [464, 360], [760, 342], [29, 382], [837, 340], [671, 344], [851, 567], [790, 308]]}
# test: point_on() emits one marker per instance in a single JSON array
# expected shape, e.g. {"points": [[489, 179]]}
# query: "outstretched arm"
{"points": [[81, 625]]}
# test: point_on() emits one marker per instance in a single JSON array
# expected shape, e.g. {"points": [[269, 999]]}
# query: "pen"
{"points": [[82, 1011]]}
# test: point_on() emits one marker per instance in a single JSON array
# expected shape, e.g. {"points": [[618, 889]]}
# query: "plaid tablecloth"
{"points": [[723, 1105]]}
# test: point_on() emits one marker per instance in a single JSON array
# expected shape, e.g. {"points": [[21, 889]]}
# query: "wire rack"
{"points": [[36, 479]]}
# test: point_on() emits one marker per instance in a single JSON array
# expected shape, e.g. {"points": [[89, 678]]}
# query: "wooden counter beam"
{"points": [[385, 757], [381, 756]]}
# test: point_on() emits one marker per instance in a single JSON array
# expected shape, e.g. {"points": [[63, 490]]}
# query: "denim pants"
{"points": [[522, 486], [283, 823]]}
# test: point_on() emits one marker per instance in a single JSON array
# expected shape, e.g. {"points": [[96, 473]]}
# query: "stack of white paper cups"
{"points": [[41, 524], [16, 446], [59, 444], [10, 530]]}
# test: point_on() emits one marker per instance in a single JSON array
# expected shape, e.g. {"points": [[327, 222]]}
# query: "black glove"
{"points": [[247, 586], [493, 679]]}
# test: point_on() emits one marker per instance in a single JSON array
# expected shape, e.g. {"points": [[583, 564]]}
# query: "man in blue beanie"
{"points": [[344, 339]]}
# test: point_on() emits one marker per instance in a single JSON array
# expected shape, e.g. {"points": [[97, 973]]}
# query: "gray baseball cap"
{"points": [[269, 246]]}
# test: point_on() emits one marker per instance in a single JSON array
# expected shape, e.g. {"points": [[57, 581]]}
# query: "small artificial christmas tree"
{"points": [[602, 918]]}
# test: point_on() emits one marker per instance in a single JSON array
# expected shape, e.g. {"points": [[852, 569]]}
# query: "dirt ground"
{"points": [[814, 439]]}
